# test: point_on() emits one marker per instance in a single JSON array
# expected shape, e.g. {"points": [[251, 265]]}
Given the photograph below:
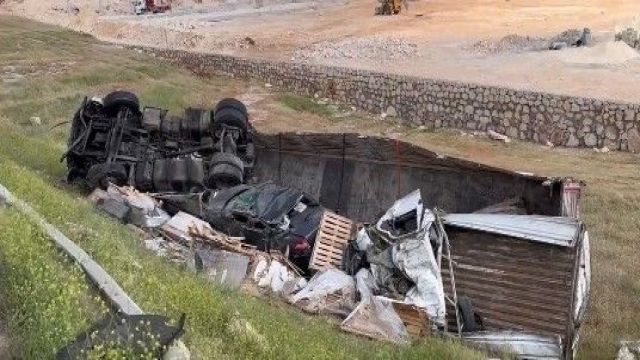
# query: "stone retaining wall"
{"points": [[525, 115]]}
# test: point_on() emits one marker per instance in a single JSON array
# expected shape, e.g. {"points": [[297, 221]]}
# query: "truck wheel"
{"points": [[231, 103], [225, 170], [224, 175], [100, 175], [117, 99], [229, 117], [467, 314]]}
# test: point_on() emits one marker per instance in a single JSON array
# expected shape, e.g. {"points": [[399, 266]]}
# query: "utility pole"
{"points": [[99, 6]]}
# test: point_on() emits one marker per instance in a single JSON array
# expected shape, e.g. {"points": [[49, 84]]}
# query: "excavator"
{"points": [[389, 7]]}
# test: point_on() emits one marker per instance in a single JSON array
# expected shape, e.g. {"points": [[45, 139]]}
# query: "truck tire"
{"points": [[196, 123], [229, 117], [117, 99], [467, 314], [225, 170], [100, 175], [222, 176], [231, 103]]}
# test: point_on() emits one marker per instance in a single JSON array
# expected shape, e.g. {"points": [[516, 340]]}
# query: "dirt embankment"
{"points": [[490, 42]]}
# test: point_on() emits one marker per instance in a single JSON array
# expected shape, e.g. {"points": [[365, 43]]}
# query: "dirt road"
{"points": [[436, 39]]}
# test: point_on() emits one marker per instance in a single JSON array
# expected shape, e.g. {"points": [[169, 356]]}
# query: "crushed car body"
{"points": [[493, 257]]}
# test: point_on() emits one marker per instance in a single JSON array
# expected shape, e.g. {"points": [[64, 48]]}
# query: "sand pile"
{"points": [[605, 53]]}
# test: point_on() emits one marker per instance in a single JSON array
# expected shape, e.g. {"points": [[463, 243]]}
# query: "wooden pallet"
{"points": [[333, 235], [415, 319]]}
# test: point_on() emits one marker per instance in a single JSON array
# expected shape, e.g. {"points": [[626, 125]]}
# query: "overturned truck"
{"points": [[517, 270]]}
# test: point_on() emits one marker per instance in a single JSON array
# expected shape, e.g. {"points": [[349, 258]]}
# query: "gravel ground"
{"points": [[365, 48]]}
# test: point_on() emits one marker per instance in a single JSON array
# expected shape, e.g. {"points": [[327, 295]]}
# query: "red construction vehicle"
{"points": [[152, 6]]}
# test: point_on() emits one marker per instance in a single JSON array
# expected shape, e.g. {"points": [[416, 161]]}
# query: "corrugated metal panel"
{"points": [[513, 284], [561, 231], [524, 345]]}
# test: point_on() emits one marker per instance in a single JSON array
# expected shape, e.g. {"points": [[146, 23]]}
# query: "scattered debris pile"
{"points": [[515, 43], [410, 273], [630, 36], [571, 38]]}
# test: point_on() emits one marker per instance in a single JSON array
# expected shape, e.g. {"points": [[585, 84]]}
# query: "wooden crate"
{"points": [[333, 235]]}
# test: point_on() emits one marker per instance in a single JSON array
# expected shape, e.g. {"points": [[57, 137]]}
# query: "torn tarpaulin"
{"points": [[374, 316]]}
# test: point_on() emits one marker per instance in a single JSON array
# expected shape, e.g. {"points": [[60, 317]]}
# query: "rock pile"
{"points": [[509, 43], [515, 43], [366, 48]]}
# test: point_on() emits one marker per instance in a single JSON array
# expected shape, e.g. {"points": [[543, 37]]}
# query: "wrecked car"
{"points": [[269, 217]]}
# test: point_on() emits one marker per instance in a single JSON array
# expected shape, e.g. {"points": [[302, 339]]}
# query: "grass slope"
{"points": [[58, 68]]}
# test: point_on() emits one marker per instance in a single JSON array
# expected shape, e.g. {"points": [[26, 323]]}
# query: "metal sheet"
{"points": [[560, 231], [223, 267], [523, 345]]}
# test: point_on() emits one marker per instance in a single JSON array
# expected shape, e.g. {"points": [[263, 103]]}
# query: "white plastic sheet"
{"points": [[330, 291], [415, 258], [274, 275], [363, 240], [375, 317]]}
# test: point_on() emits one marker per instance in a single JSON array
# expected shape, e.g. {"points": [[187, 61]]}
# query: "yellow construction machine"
{"points": [[389, 7]]}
